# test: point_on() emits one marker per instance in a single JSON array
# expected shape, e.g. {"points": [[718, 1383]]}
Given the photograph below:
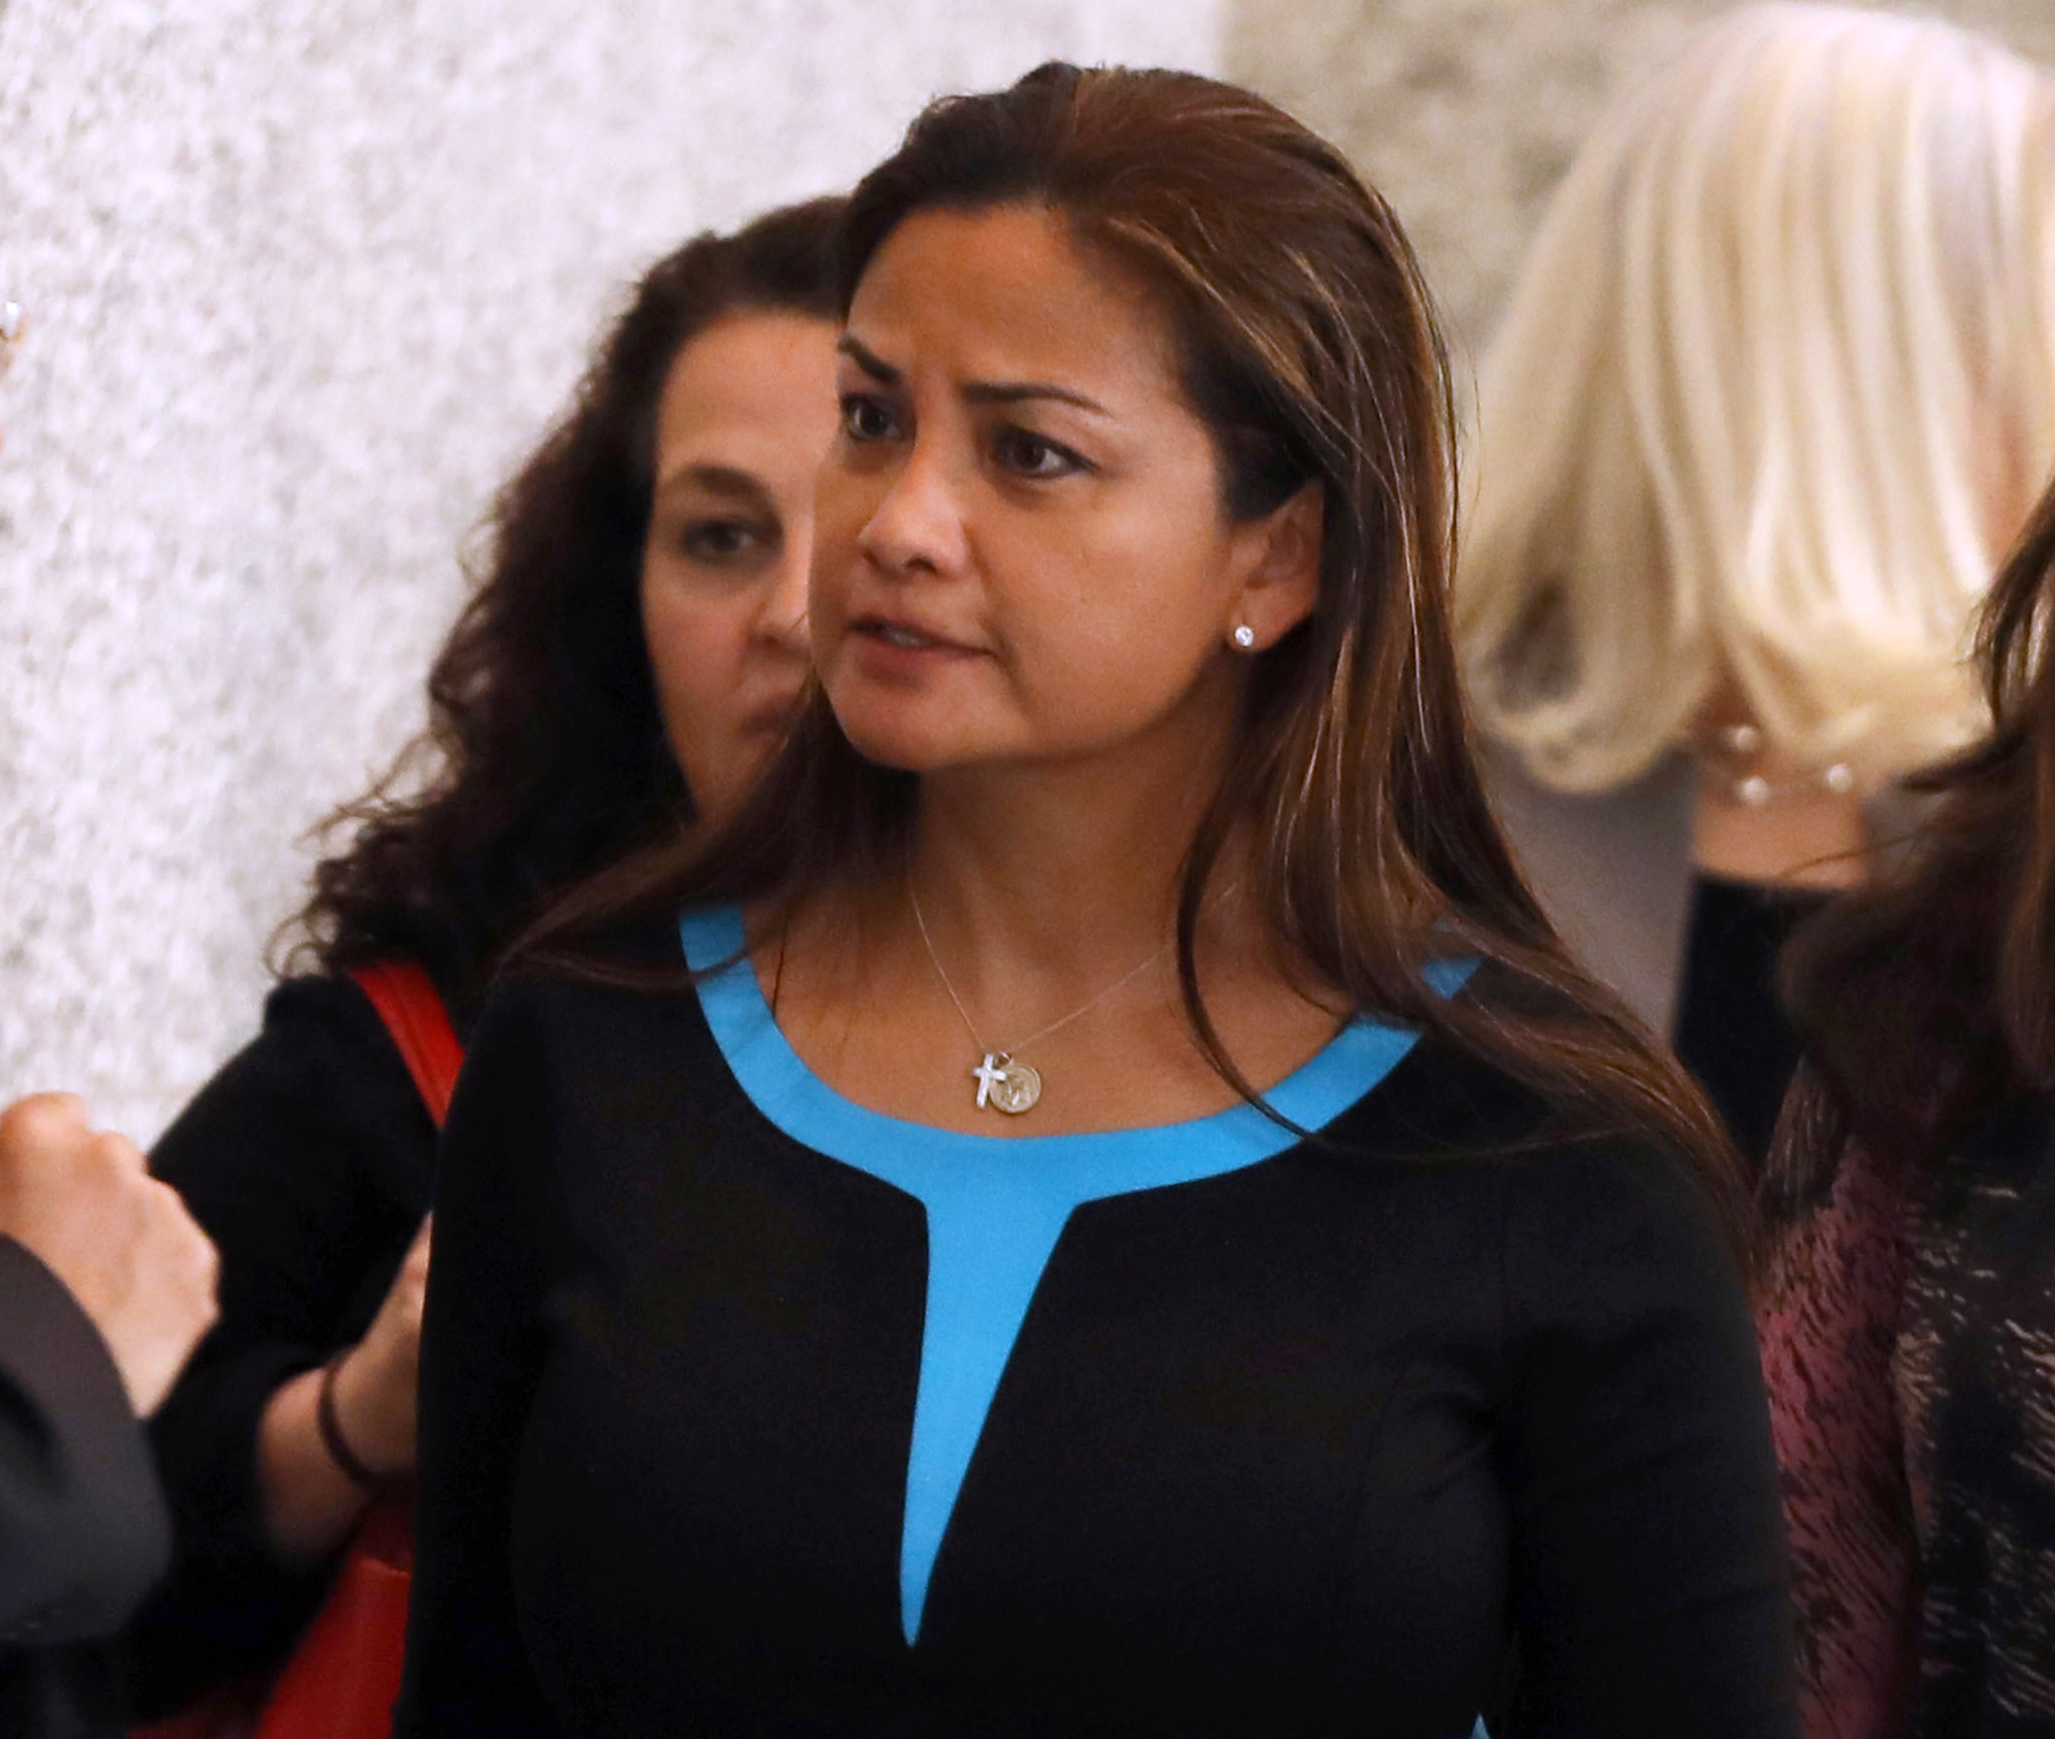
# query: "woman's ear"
{"points": [[1281, 578]]}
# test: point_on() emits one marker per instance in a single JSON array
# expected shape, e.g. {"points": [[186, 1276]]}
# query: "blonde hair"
{"points": [[1779, 370]]}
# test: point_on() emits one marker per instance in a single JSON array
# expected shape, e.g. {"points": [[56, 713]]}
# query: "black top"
{"points": [[82, 1528], [1731, 1030], [309, 1160], [1301, 1448]]}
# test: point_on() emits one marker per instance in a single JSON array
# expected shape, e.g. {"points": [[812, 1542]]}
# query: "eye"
{"points": [[726, 542], [867, 418], [1027, 454]]}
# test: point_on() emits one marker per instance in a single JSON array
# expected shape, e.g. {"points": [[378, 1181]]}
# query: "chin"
{"points": [[907, 751], [893, 729], [911, 739]]}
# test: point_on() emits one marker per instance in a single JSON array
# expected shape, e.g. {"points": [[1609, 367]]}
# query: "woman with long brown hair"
{"points": [[1134, 1225], [1912, 1308], [634, 651]]}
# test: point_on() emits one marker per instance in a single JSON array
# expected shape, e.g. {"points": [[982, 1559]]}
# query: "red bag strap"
{"points": [[413, 1012]]}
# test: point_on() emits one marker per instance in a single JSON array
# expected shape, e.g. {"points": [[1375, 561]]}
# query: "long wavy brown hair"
{"points": [[544, 756], [1307, 344], [1930, 995]]}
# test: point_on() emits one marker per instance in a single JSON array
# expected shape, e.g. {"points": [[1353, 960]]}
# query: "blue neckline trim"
{"points": [[803, 1106]]}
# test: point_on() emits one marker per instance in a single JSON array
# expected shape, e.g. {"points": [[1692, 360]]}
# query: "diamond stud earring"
{"points": [[1245, 636]]}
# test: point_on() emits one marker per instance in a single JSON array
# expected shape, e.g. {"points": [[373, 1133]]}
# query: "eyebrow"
{"points": [[979, 392], [716, 480]]}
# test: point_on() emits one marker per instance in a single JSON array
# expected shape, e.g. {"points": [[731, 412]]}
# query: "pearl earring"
{"points": [[1244, 636]]}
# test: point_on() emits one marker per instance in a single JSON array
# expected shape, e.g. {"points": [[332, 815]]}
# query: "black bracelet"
{"points": [[332, 1439]]}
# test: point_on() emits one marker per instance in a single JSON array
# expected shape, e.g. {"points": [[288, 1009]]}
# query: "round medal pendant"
{"points": [[1004, 1085], [1017, 1088]]}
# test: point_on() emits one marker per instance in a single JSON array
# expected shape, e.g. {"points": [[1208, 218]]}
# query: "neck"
{"points": [[1762, 817], [1056, 866], [1048, 896], [1042, 884], [1799, 839]]}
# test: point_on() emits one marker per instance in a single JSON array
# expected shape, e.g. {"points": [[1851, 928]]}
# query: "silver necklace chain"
{"points": [[970, 1026]]}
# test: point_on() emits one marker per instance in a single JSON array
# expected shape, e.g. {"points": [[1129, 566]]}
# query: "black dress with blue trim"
{"points": [[748, 1411]]}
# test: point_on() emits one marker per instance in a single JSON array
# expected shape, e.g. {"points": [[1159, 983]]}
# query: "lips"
{"points": [[904, 635]]}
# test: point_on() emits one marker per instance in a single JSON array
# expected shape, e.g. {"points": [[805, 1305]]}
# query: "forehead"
{"points": [[1007, 294], [752, 388]]}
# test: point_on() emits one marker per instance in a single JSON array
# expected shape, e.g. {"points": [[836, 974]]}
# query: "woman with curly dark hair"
{"points": [[634, 651], [1909, 1338]]}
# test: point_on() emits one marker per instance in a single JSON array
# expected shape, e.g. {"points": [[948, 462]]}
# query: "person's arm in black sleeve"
{"points": [[1649, 1589], [308, 1160], [467, 1670], [83, 1531]]}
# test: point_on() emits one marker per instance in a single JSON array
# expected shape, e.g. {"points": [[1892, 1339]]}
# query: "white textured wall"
{"points": [[304, 277]]}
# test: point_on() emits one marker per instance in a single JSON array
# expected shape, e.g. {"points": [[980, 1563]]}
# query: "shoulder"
{"points": [[321, 1086], [1442, 1103], [1570, 1186], [1446, 1097], [622, 979], [317, 1031], [1616, 1281], [1617, 1216], [623, 1010], [319, 1015], [1581, 1204]]}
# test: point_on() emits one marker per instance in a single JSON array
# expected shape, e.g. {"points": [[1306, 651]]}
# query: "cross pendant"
{"points": [[989, 1074]]}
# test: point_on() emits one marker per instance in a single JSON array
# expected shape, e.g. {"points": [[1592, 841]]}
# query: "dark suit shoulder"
{"points": [[83, 1530]]}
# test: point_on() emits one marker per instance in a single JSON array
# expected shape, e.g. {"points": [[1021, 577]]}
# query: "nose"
{"points": [[918, 526]]}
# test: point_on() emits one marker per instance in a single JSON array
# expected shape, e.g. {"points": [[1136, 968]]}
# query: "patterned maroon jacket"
{"points": [[1908, 1339]]}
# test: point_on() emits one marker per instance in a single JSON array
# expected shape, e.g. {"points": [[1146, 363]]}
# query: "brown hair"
{"points": [[1306, 342], [1930, 995], [544, 756]]}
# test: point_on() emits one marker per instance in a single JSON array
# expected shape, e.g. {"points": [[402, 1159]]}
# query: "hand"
{"points": [[120, 1241], [376, 1382]]}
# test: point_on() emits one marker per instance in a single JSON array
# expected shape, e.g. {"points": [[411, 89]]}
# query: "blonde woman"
{"points": [[1766, 410]]}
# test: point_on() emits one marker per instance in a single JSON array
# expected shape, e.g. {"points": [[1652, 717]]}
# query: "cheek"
{"points": [[842, 507], [696, 656], [1141, 594]]}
